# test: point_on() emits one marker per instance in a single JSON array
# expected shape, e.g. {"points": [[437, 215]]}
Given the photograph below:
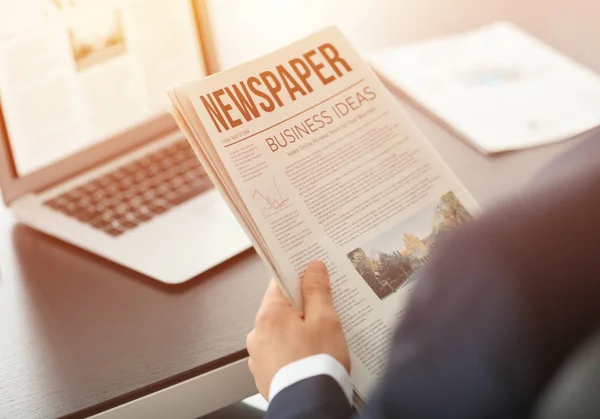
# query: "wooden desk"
{"points": [[79, 335]]}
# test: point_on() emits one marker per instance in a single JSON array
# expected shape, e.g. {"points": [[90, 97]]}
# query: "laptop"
{"points": [[87, 151]]}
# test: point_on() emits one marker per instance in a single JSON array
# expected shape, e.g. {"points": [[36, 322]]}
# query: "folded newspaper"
{"points": [[317, 161]]}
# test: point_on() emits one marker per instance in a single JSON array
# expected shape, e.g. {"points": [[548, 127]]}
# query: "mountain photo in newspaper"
{"points": [[393, 259], [317, 161]]}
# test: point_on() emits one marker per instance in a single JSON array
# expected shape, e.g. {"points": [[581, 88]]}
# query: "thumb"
{"points": [[316, 290]]}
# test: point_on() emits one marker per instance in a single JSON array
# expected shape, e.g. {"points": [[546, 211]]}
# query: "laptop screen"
{"points": [[74, 73]]}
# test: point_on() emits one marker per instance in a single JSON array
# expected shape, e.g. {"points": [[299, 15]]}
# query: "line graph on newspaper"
{"points": [[269, 198]]}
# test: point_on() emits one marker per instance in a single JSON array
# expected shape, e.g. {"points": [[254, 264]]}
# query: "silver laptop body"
{"points": [[136, 196]]}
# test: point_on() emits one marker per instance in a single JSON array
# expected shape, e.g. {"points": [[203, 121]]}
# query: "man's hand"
{"points": [[283, 334]]}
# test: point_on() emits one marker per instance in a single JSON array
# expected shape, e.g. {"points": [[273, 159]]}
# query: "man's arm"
{"points": [[312, 366], [300, 360], [318, 397], [502, 303]]}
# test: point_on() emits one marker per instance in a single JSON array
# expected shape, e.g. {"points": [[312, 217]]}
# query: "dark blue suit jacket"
{"points": [[499, 307]]}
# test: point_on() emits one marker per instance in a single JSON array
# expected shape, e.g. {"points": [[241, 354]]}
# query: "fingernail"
{"points": [[316, 266]]}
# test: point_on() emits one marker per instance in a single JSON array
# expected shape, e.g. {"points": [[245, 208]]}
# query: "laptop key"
{"points": [[122, 209], [85, 215], [148, 196], [117, 175], [138, 177], [180, 156], [128, 224], [183, 145], [84, 201], [201, 183], [143, 217], [159, 206], [115, 232], [73, 195], [189, 176], [167, 163], [100, 207], [176, 182], [157, 209], [112, 189], [146, 162], [159, 179], [143, 213], [171, 196], [132, 168], [159, 155], [135, 202], [116, 223], [130, 216], [108, 204], [104, 181], [162, 189], [125, 183], [161, 202], [153, 170], [108, 215], [54, 204], [88, 188], [100, 223], [70, 208], [200, 172], [98, 195], [129, 194], [186, 196]]}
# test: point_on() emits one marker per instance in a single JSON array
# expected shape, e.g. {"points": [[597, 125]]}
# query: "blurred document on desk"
{"points": [[497, 87]]}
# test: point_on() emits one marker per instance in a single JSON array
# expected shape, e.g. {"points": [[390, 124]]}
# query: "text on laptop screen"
{"points": [[76, 72]]}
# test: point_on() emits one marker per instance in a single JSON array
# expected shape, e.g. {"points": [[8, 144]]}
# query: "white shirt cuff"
{"points": [[311, 366]]}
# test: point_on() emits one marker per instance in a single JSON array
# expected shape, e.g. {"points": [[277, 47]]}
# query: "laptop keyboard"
{"points": [[137, 192]]}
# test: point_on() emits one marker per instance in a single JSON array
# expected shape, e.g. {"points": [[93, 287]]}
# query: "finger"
{"points": [[250, 366], [262, 391], [316, 290], [274, 305], [273, 295], [250, 341]]}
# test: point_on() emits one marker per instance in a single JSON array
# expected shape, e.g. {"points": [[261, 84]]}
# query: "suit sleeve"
{"points": [[319, 397], [312, 366]]}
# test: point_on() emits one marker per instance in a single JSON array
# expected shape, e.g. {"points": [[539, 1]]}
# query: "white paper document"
{"points": [[497, 87]]}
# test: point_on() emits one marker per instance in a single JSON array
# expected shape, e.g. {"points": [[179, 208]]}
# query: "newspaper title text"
{"points": [[249, 99]]}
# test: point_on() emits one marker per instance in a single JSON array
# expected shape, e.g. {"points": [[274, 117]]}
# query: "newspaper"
{"points": [[317, 161]]}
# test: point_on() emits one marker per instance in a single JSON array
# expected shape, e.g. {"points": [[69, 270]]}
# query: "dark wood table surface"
{"points": [[79, 335]]}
